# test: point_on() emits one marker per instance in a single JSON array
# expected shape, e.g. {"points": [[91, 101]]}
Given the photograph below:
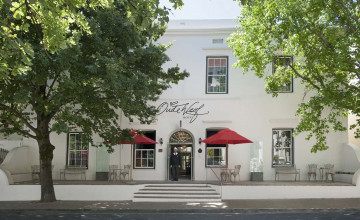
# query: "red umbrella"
{"points": [[227, 137], [138, 139]]}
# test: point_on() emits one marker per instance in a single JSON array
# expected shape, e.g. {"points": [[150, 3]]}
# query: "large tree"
{"points": [[324, 38], [76, 64]]}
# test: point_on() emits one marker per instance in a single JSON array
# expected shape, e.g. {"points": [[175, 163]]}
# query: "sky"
{"points": [[205, 9]]}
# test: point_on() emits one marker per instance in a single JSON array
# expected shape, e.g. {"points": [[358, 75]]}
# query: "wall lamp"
{"points": [[161, 141], [200, 140]]}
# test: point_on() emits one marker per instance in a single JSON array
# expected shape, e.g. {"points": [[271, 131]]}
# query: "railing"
{"points": [[220, 180], [3, 153]]}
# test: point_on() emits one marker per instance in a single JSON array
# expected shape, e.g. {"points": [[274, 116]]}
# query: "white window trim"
{"points": [[206, 159], [153, 158], [69, 151], [292, 147], [226, 74], [292, 79]]}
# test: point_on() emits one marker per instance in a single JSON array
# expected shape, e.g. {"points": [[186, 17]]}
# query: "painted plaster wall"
{"points": [[352, 140]]}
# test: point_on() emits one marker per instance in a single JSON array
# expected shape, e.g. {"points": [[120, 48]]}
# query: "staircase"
{"points": [[177, 193]]}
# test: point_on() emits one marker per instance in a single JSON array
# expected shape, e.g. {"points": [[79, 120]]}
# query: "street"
{"points": [[270, 215]]}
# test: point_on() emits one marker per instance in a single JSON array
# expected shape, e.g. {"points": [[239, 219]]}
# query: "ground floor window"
{"points": [[78, 150], [215, 153], [145, 153], [216, 156], [283, 147]]}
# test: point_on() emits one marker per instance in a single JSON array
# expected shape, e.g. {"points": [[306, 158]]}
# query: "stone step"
{"points": [[178, 189], [182, 192], [177, 199], [177, 185], [175, 194]]}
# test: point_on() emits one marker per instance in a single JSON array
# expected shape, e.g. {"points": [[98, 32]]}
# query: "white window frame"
{"points": [[215, 148], [226, 75], [291, 80], [76, 151], [285, 153], [147, 159]]}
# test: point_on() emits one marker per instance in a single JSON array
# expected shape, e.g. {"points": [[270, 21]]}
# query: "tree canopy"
{"points": [[324, 38], [76, 64]]}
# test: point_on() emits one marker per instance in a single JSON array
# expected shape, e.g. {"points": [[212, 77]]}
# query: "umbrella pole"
{"points": [[131, 179], [227, 159]]}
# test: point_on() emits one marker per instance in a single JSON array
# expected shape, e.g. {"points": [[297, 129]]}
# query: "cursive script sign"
{"points": [[188, 110]]}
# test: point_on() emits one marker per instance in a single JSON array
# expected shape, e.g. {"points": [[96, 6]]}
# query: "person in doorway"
{"points": [[175, 164]]}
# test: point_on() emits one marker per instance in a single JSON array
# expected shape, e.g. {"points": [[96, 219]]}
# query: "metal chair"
{"points": [[312, 171], [329, 171], [235, 172], [35, 172], [125, 171], [112, 172]]}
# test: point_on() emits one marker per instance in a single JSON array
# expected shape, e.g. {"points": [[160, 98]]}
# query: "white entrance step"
{"points": [[177, 193]]}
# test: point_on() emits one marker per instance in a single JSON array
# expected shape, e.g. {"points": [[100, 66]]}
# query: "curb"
{"points": [[189, 211]]}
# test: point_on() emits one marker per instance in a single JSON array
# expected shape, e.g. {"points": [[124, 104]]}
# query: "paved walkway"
{"points": [[232, 206]]}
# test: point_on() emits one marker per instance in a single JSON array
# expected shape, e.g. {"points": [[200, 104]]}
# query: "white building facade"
{"points": [[214, 97]]}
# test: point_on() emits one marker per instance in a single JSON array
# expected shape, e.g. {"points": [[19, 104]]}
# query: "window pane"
{"points": [[151, 154], [77, 158], [138, 154], [144, 154], [211, 62], [138, 163], [150, 163], [144, 163], [211, 71]]}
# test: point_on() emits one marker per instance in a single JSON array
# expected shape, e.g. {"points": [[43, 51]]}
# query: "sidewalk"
{"points": [[230, 206]]}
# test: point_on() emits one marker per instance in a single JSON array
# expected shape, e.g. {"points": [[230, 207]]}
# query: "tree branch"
{"points": [[17, 114], [52, 85], [304, 78]]}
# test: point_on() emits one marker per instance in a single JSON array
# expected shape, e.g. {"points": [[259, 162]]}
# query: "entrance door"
{"points": [[185, 152], [183, 141]]}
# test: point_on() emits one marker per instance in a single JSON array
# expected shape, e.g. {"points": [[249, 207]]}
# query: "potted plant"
{"points": [[276, 158]]}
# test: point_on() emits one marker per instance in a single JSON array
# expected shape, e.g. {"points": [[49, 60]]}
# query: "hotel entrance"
{"points": [[183, 141]]}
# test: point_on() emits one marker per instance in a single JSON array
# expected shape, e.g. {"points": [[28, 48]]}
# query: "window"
{"points": [[284, 61], [216, 75], [283, 147], [215, 154], [145, 153], [78, 151]]}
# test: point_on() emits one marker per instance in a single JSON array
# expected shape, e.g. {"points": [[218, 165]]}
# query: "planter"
{"points": [[256, 176], [102, 175]]}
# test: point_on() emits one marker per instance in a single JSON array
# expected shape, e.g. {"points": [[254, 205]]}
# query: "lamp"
{"points": [[161, 141], [200, 140]]}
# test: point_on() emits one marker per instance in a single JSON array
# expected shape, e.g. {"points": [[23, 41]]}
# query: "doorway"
{"points": [[183, 141]]}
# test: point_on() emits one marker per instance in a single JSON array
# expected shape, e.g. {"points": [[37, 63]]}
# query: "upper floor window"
{"points": [[283, 61], [217, 75], [78, 151], [283, 147]]}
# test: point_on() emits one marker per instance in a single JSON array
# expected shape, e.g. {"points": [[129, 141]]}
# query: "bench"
{"points": [[73, 171], [287, 170]]}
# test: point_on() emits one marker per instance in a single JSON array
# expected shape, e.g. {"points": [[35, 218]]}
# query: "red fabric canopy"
{"points": [[226, 136], [139, 139]]}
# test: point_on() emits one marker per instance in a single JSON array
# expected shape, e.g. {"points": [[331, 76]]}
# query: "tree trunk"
{"points": [[46, 155]]}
